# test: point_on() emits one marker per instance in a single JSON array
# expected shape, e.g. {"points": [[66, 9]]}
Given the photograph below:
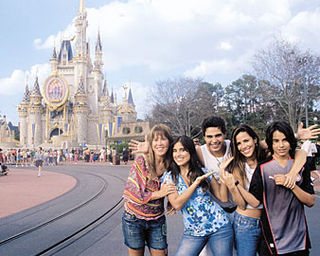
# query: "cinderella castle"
{"points": [[74, 106]]}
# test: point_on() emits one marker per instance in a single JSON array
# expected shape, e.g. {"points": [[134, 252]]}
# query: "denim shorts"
{"points": [[138, 232]]}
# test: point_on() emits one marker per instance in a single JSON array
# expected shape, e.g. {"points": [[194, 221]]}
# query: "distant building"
{"points": [[75, 106], [7, 134]]}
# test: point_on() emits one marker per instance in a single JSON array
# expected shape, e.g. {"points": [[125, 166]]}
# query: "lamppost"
{"points": [[303, 61], [305, 87]]}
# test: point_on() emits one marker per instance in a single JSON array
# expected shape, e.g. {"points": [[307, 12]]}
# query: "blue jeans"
{"points": [[219, 243], [247, 234], [138, 232]]}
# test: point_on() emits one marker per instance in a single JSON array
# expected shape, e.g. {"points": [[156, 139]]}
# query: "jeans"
{"points": [[219, 243], [247, 234], [138, 232]]}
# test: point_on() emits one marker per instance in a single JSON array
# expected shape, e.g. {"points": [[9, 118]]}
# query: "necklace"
{"points": [[218, 161], [223, 150]]}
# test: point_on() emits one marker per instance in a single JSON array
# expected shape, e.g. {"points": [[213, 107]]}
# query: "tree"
{"points": [[288, 76], [182, 104], [243, 99]]}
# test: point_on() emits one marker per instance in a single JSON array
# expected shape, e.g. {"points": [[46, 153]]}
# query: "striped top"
{"points": [[138, 191]]}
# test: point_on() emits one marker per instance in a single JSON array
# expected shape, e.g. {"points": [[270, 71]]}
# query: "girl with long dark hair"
{"points": [[205, 222]]}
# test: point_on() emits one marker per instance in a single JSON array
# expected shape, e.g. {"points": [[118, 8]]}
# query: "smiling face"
{"points": [[180, 155], [246, 144], [214, 139], [160, 145], [280, 145]]}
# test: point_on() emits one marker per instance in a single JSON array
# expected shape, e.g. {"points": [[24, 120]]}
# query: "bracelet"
{"points": [[236, 183]]}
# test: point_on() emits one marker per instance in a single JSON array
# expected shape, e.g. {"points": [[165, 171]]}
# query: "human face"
{"points": [[280, 145], [160, 145], [214, 139], [180, 155], [245, 144]]}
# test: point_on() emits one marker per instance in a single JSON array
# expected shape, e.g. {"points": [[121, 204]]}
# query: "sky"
{"points": [[145, 41]]}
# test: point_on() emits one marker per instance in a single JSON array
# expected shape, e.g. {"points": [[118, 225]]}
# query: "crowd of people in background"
{"points": [[20, 157]]}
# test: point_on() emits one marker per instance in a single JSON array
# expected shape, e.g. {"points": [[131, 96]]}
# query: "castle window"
{"points": [[138, 129], [125, 130]]}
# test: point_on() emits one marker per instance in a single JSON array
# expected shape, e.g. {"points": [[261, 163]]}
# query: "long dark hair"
{"points": [[195, 167], [286, 129], [239, 159]]}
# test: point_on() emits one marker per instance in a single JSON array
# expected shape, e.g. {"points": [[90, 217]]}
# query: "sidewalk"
{"points": [[22, 189]]}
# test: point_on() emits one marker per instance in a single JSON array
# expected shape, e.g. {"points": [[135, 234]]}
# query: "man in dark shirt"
{"points": [[284, 226]]}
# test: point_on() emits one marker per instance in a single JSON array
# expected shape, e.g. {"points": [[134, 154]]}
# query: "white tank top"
{"points": [[211, 162]]}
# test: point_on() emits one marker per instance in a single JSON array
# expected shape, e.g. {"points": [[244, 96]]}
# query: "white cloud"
{"points": [[303, 29], [166, 35], [225, 46], [16, 82], [13, 84]]}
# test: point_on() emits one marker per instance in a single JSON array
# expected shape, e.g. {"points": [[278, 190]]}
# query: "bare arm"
{"points": [[248, 197], [166, 189], [304, 197], [219, 190], [178, 201], [230, 182], [299, 161], [200, 155]]}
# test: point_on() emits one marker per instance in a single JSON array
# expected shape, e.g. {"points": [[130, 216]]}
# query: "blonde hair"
{"points": [[163, 131]]}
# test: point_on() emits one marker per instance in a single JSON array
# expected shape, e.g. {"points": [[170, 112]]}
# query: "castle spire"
{"points": [[36, 88], [130, 98], [98, 43], [26, 96], [81, 24], [54, 53], [105, 91], [112, 97], [81, 6]]}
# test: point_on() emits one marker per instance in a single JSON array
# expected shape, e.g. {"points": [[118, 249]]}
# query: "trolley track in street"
{"points": [[94, 212]]}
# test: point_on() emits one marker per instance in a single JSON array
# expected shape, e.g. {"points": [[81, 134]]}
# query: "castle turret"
{"points": [[54, 62], [130, 98], [23, 114], [82, 59], [81, 111], [98, 63], [35, 112]]}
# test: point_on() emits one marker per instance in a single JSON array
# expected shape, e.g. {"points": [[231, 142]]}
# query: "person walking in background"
{"points": [[125, 155], [196, 142], [205, 222], [143, 220], [39, 158]]}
